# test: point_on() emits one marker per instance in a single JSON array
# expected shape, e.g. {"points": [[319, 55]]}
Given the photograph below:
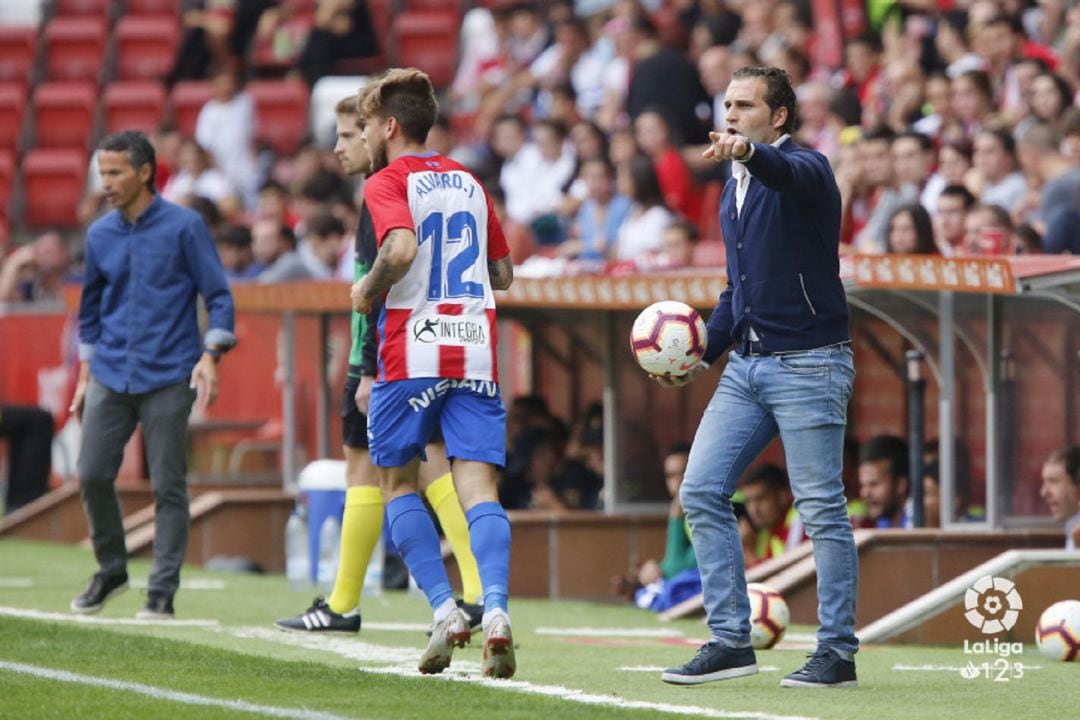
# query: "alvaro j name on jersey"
{"points": [[439, 319]]}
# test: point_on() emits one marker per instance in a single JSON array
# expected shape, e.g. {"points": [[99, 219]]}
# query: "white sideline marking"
{"points": [[800, 638], [469, 672], [900, 667], [193, 584], [16, 582], [163, 694], [658, 669], [94, 620], [609, 632]]}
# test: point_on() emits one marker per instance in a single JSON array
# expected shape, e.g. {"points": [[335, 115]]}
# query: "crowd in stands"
{"points": [[952, 131]]}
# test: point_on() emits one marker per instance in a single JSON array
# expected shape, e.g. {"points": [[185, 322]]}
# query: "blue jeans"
{"points": [[802, 397]]}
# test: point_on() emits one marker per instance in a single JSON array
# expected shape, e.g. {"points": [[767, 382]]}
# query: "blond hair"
{"points": [[348, 105], [405, 94]]}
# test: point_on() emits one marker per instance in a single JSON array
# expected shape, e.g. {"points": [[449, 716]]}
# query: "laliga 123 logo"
{"points": [[992, 604]]}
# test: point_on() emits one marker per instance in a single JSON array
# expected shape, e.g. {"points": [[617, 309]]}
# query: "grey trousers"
{"points": [[109, 419]]}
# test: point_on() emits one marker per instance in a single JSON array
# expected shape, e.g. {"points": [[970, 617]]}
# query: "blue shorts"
{"points": [[403, 414]]}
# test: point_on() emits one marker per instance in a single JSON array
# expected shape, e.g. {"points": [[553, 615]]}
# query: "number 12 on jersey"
{"points": [[460, 230]]}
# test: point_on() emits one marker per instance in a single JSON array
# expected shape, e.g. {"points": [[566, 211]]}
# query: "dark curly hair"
{"points": [[778, 90]]}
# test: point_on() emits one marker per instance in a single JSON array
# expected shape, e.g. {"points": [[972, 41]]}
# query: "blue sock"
{"points": [[414, 534], [490, 532]]}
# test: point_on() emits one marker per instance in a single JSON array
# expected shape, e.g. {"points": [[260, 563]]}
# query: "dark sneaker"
{"points": [[445, 636], [158, 607], [320, 618], [824, 669], [499, 659], [713, 662], [101, 588]]}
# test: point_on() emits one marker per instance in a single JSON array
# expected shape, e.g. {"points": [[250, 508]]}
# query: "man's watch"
{"points": [[213, 352], [749, 149]]}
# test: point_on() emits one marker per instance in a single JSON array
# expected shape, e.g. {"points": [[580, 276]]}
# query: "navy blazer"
{"points": [[783, 265]]}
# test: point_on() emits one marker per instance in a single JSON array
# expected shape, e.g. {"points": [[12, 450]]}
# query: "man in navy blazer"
{"points": [[785, 315]]}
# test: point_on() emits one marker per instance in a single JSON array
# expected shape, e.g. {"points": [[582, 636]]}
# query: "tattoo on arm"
{"points": [[384, 272], [501, 272]]}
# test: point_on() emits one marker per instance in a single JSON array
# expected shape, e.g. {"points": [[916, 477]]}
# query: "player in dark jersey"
{"points": [[362, 522]]}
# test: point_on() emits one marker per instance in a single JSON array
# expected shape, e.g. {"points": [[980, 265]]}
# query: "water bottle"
{"points": [[329, 550], [296, 549], [373, 578]]}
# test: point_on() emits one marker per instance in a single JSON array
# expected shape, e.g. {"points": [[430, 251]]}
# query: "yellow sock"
{"points": [[360, 530], [444, 500]]}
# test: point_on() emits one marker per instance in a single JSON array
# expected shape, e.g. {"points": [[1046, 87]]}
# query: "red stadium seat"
{"points": [[186, 100], [55, 180], [440, 5], [16, 53], [75, 48], [64, 114], [281, 107], [136, 105], [12, 104], [82, 7], [152, 7], [146, 46], [428, 41]]}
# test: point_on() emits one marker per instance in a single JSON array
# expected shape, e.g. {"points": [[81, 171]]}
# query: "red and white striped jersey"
{"points": [[438, 320]]}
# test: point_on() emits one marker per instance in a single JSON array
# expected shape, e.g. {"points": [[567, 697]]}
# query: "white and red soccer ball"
{"points": [[668, 338], [1058, 631], [769, 616]]}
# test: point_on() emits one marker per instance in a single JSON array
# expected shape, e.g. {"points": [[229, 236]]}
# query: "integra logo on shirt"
{"points": [[449, 330]]}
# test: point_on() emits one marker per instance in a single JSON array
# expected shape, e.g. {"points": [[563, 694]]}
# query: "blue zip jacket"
{"points": [[138, 321], [783, 265]]}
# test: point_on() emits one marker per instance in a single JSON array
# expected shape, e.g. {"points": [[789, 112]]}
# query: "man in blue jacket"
{"points": [[791, 373], [143, 362]]}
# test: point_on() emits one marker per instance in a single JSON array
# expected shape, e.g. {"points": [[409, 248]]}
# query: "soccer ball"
{"points": [[1058, 632], [668, 337], [769, 616]]}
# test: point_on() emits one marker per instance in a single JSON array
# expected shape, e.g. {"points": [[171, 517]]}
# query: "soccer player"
{"points": [[362, 522], [441, 254]]}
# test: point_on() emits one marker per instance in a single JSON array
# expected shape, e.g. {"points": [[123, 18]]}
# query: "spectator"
{"points": [[1060, 491], [886, 191], [197, 176], [972, 103], [995, 177], [573, 60], [987, 231], [274, 247], [343, 30], [767, 494], [883, 481], [664, 77], [36, 271], [596, 228], [234, 248], [954, 162], [952, 46], [653, 134], [533, 174], [323, 245], [664, 584], [936, 93], [518, 237], [273, 204], [911, 232], [642, 232], [226, 128], [714, 68], [1069, 127], [913, 158], [819, 126], [1041, 158], [529, 480], [949, 220], [680, 239], [1050, 97], [29, 432]]}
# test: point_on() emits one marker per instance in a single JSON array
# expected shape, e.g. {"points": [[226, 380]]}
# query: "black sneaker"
{"points": [[825, 668], [158, 607], [713, 662], [320, 618], [101, 588]]}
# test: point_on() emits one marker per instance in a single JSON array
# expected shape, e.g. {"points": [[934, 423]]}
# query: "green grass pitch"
{"points": [[235, 664]]}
